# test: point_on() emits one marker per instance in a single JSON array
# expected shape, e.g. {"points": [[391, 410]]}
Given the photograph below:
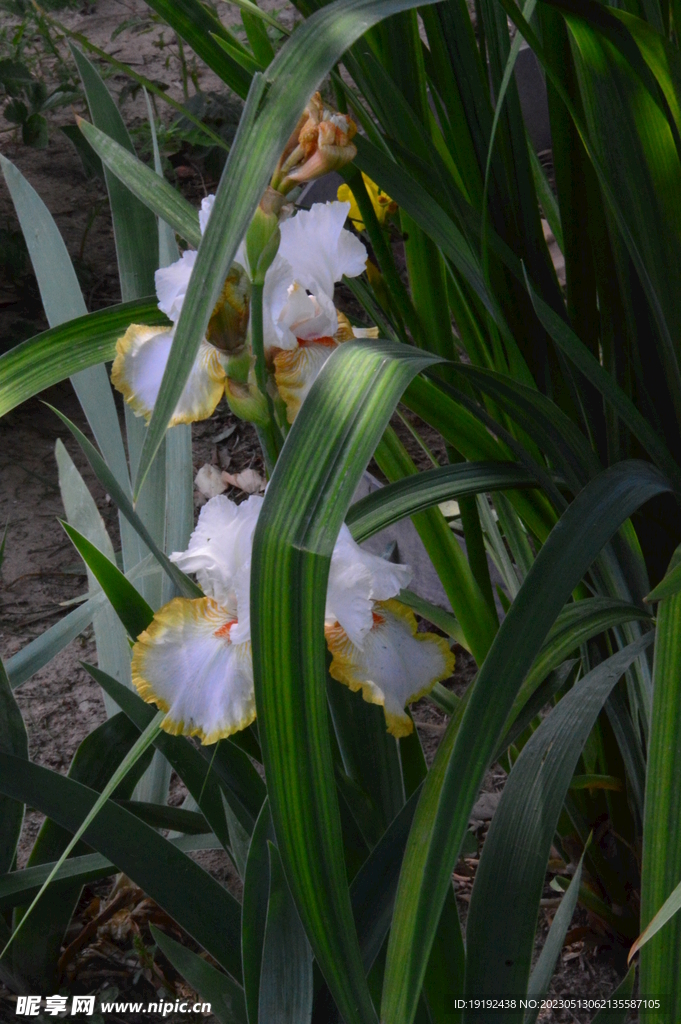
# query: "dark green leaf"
{"points": [[291, 555], [211, 916], [144, 183], [668, 587], [197, 25], [127, 602], [388, 505], [254, 909], [92, 165], [542, 972], [69, 348], [34, 131], [661, 866], [35, 948], [286, 974], [104, 475], [13, 740], [464, 754], [19, 887], [134, 225], [63, 301], [225, 997], [162, 816], [500, 929], [587, 363]]}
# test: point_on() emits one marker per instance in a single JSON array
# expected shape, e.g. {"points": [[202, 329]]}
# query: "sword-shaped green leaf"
{"points": [[324, 456], [211, 916], [145, 184], [127, 602], [661, 867], [225, 997], [500, 928], [413, 494], [68, 349], [463, 757]]}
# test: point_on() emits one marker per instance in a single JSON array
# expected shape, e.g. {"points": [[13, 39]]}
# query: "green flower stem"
{"points": [[257, 337], [269, 435]]}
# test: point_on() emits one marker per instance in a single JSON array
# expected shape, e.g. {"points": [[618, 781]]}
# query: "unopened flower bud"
{"points": [[247, 402], [228, 326], [263, 236], [324, 144]]}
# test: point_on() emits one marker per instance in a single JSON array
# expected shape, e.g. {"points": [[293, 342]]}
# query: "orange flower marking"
{"points": [[224, 631], [324, 340]]}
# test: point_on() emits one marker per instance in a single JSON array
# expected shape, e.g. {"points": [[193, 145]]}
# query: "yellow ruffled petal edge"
{"points": [[349, 665], [170, 625], [201, 394], [204, 388]]}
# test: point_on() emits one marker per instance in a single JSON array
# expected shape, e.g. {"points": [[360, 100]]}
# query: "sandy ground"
{"points": [[61, 704]]}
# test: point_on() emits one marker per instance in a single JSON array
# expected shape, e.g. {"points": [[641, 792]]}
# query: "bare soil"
{"points": [[61, 704]]}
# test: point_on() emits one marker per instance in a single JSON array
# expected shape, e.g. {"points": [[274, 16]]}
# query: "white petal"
{"points": [[172, 282], [187, 664], [395, 664], [219, 551], [141, 358], [319, 248], [357, 579], [205, 212], [305, 317], [278, 280]]}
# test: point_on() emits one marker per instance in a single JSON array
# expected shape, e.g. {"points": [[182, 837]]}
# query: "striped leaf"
{"points": [[291, 556]]}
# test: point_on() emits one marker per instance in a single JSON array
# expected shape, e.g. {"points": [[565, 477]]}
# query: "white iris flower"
{"points": [[301, 324], [194, 661]]}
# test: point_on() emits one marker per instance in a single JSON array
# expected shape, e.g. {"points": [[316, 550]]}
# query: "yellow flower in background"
{"points": [[381, 202]]}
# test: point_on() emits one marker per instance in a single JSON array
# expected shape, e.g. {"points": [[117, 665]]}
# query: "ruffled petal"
{"points": [[219, 552], [395, 664], [172, 282], [315, 330], [307, 317], [141, 358], [187, 664], [278, 280], [319, 248], [356, 580], [295, 371]]}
